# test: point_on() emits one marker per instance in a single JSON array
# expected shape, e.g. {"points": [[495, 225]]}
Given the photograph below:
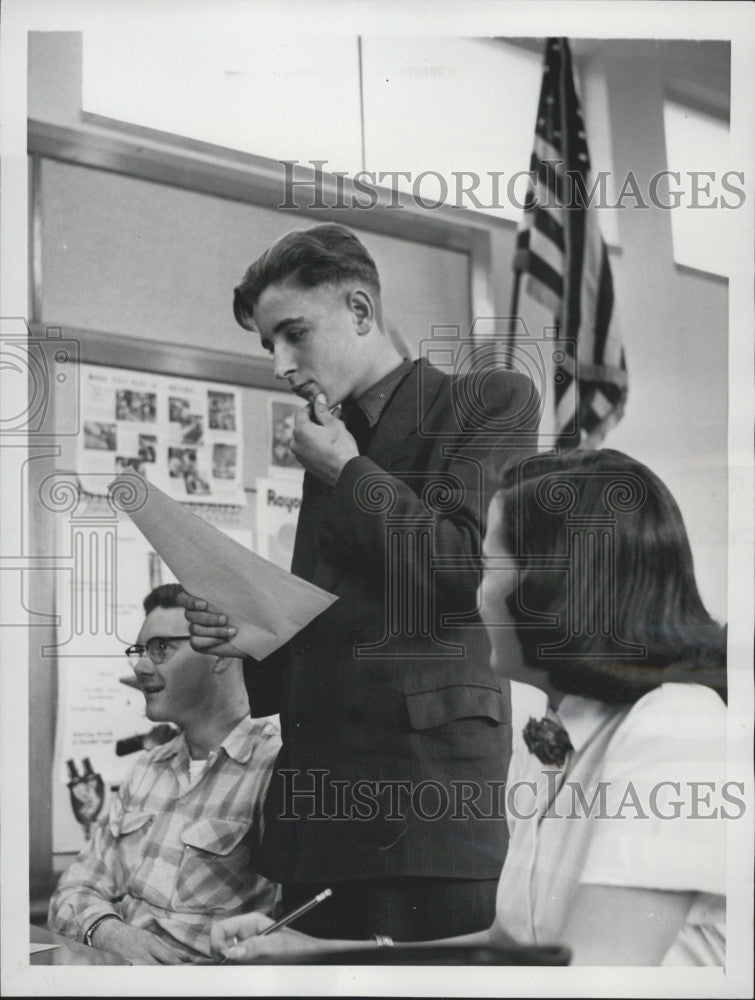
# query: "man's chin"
{"points": [[154, 714], [310, 393]]}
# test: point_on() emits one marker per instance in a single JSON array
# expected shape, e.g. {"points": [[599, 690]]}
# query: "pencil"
{"points": [[298, 912], [293, 915]]}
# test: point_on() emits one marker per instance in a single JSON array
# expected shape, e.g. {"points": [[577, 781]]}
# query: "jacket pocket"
{"points": [[215, 868], [431, 708]]}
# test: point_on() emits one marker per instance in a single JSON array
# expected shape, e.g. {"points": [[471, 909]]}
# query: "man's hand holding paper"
{"points": [[265, 605], [210, 631]]}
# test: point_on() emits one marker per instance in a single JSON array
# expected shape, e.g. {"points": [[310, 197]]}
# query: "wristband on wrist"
{"points": [[93, 926], [382, 940]]}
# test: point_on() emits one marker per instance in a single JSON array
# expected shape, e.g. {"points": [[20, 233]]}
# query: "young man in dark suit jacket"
{"points": [[396, 733]]}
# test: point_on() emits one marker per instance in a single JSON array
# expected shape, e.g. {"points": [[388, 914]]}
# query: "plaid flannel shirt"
{"points": [[172, 855]]}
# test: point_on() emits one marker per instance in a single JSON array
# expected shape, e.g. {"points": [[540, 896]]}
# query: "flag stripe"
{"points": [[542, 271], [603, 309], [547, 252], [552, 229], [548, 176], [597, 373], [544, 295], [548, 155]]}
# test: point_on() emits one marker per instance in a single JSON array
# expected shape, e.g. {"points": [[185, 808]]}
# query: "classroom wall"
{"points": [[675, 323], [674, 320], [136, 258]]}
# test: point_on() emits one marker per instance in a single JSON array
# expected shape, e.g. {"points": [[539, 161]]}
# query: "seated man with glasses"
{"points": [[177, 847]]}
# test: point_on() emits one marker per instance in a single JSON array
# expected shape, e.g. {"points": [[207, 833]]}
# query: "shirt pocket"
{"points": [[216, 865], [131, 830], [437, 706]]}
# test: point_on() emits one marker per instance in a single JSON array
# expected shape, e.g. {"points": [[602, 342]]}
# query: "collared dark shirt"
{"points": [[374, 401]]}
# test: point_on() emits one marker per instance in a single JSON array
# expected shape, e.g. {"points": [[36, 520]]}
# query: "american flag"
{"points": [[560, 247]]}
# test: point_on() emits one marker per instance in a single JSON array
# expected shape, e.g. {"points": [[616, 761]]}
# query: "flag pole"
{"points": [[511, 332], [520, 265]]}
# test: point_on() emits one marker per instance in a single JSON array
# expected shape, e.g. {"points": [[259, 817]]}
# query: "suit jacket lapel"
{"points": [[395, 436], [396, 441], [314, 496]]}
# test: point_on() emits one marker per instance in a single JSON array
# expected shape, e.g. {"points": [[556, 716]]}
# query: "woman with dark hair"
{"points": [[616, 799], [589, 594]]}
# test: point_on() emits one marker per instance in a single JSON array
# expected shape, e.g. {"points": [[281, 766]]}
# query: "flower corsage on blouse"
{"points": [[547, 739]]}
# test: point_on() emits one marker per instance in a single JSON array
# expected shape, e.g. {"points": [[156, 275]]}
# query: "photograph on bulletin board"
{"points": [[282, 410]]}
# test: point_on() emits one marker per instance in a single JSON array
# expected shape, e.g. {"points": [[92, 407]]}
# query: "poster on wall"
{"points": [[183, 435], [278, 503]]}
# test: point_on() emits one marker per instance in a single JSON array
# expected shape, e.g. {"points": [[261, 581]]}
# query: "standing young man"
{"points": [[396, 733]]}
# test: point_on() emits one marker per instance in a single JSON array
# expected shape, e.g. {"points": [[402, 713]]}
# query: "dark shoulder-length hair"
{"points": [[606, 599]]}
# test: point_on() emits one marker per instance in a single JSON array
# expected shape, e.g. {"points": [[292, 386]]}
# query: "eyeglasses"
{"points": [[155, 648]]}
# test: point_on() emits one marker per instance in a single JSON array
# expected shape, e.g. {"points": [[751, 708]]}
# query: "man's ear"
{"points": [[363, 308]]}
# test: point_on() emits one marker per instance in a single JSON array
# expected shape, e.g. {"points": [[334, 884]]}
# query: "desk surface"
{"points": [[68, 952]]}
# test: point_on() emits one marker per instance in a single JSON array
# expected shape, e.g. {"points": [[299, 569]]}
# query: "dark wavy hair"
{"points": [[163, 596], [326, 254], [606, 599]]}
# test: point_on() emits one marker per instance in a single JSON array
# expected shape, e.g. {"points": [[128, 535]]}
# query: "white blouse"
{"points": [[641, 801]]}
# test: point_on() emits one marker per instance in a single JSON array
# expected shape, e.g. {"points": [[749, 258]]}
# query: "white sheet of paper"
{"points": [[266, 604]]}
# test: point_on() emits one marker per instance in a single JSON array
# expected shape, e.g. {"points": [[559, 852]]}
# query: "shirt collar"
{"points": [[238, 744], [582, 717], [374, 401], [170, 749]]}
